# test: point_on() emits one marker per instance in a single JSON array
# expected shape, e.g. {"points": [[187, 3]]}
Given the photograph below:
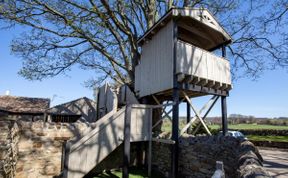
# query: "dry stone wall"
{"points": [[265, 132], [40, 147], [8, 148], [36, 147], [198, 156]]}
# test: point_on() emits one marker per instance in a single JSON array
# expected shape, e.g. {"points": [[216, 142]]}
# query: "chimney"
{"points": [[7, 93]]}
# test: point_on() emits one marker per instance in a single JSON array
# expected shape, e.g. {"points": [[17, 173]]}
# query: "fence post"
{"points": [[126, 154]]}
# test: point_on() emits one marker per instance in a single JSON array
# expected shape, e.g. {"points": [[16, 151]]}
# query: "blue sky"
{"points": [[266, 97]]}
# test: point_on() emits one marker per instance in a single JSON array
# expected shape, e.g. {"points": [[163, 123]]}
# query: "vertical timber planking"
{"points": [[175, 115]]}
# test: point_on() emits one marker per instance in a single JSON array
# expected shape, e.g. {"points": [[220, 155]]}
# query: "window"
{"points": [[65, 118]]}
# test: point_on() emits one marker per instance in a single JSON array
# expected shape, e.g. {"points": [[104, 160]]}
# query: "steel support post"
{"points": [[175, 112], [224, 115], [188, 112], [224, 103]]}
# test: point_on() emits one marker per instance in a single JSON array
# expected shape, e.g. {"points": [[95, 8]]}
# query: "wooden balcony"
{"points": [[202, 68]]}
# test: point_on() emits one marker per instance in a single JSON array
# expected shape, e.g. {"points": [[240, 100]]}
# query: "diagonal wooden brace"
{"points": [[210, 103], [196, 113], [166, 114], [213, 100]]}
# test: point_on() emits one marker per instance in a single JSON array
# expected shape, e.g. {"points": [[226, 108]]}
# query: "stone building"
{"points": [[82, 109], [24, 108]]}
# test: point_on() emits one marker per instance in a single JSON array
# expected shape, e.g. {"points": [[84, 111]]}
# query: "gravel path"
{"points": [[275, 161]]}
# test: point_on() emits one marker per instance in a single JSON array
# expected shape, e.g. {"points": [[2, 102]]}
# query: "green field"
{"points": [[166, 126], [214, 128], [251, 126]]}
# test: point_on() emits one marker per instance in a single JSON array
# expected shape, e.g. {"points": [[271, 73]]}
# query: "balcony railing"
{"points": [[198, 63]]}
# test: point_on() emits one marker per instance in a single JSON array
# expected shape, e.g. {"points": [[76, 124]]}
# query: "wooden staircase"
{"points": [[82, 155]]}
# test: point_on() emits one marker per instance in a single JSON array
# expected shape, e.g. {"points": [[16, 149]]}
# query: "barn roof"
{"points": [[74, 107], [201, 19], [23, 105]]}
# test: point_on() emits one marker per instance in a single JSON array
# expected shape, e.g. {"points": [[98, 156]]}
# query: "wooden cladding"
{"points": [[202, 64]]}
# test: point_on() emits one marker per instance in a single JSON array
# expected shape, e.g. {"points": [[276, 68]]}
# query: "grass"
{"points": [[166, 126], [251, 126], [133, 173], [271, 138]]}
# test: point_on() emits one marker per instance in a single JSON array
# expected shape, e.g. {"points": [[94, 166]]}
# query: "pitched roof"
{"points": [[74, 107], [15, 104], [200, 15]]}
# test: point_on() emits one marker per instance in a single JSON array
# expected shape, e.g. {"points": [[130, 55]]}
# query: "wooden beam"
{"points": [[214, 100], [210, 84], [188, 79], [158, 102], [224, 86], [217, 85], [203, 90], [229, 87], [184, 78], [203, 82], [195, 117], [196, 112], [166, 115], [126, 153], [185, 128], [195, 80], [166, 141], [150, 143], [180, 77]]}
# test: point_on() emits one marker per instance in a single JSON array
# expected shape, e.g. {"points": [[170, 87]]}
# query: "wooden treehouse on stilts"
{"points": [[177, 63]]}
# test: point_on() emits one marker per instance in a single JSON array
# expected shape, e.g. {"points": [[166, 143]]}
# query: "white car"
{"points": [[235, 134]]}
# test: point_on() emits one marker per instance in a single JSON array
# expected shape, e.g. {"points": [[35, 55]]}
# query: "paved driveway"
{"points": [[275, 161]]}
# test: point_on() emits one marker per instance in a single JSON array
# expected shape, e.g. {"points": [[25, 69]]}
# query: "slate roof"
{"points": [[18, 105], [74, 107]]}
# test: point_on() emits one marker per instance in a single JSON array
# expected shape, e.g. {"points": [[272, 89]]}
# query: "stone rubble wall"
{"points": [[264, 132], [250, 162], [198, 156], [40, 147], [36, 147], [8, 148], [282, 145]]}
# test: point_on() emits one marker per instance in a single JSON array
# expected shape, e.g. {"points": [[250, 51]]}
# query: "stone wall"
{"points": [[198, 156], [283, 145], [36, 147], [8, 148], [265, 132], [40, 147]]}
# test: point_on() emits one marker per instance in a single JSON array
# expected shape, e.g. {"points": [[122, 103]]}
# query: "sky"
{"points": [[266, 97]]}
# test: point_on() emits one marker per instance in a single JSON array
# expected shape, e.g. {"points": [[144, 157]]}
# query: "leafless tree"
{"points": [[101, 35]]}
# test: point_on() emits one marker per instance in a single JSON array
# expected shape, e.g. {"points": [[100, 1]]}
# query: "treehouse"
{"points": [[178, 62], [178, 50]]}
